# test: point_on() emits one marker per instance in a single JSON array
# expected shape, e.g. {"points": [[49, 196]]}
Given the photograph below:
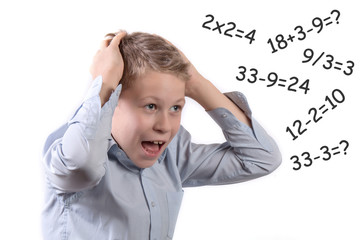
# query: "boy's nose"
{"points": [[162, 123]]}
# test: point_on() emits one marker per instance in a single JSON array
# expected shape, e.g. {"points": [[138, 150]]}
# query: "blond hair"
{"points": [[144, 51]]}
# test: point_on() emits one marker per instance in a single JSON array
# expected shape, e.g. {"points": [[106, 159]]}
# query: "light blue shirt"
{"points": [[94, 191]]}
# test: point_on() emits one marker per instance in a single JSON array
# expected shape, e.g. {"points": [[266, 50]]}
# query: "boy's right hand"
{"points": [[108, 63]]}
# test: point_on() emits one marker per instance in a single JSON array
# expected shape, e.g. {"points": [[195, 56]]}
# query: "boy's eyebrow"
{"points": [[180, 100]]}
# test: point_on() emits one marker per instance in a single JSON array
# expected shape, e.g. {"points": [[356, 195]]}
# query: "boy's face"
{"points": [[148, 116]]}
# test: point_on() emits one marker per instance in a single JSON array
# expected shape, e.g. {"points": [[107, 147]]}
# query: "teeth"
{"points": [[155, 142]]}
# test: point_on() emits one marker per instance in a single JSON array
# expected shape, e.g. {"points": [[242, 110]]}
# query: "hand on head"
{"points": [[108, 61]]}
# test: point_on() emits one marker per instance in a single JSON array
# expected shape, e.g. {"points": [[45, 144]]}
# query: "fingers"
{"points": [[105, 43], [117, 39], [112, 39]]}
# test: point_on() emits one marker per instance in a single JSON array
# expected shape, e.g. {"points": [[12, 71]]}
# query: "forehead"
{"points": [[160, 85]]}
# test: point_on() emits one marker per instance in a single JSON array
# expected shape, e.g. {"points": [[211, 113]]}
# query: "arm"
{"points": [[75, 155], [249, 151]]}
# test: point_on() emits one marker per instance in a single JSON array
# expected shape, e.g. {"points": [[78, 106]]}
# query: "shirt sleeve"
{"points": [[248, 153], [74, 156]]}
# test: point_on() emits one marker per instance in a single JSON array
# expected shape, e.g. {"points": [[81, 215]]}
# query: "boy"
{"points": [[116, 170]]}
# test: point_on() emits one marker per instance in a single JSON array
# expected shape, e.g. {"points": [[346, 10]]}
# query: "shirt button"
{"points": [[153, 204], [224, 115]]}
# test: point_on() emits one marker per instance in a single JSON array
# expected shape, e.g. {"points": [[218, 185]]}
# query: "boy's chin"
{"points": [[144, 163]]}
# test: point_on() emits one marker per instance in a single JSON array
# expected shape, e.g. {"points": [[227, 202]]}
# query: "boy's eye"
{"points": [[150, 106], [175, 108]]}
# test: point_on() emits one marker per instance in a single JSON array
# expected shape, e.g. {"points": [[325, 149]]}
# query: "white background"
{"points": [[47, 47]]}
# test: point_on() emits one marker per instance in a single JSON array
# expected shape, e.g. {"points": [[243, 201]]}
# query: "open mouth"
{"points": [[152, 148]]}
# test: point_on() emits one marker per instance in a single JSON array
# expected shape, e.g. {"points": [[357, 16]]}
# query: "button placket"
{"points": [[151, 198]]}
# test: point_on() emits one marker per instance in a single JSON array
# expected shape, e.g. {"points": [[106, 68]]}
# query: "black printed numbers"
{"points": [[330, 62], [316, 118], [299, 128], [326, 154], [242, 75], [227, 29], [316, 114], [281, 43], [272, 79], [296, 161], [226, 33], [205, 23], [350, 68]]}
